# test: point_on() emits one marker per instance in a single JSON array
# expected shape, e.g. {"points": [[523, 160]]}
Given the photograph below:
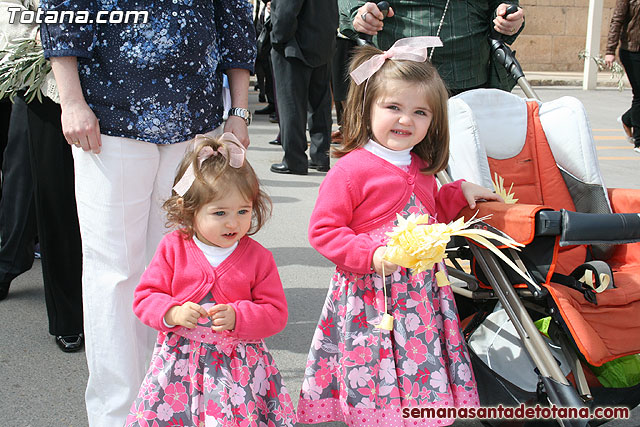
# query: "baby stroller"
{"points": [[584, 270]]}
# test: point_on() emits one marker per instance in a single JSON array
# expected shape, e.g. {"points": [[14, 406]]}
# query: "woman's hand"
{"points": [[80, 126], [238, 127], [368, 20], [509, 25], [223, 317], [186, 315], [473, 192], [609, 60], [378, 261], [239, 89]]}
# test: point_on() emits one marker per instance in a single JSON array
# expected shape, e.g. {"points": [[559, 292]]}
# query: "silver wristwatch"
{"points": [[241, 112]]}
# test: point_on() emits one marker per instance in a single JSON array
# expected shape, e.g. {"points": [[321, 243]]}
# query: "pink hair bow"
{"points": [[231, 149], [410, 49]]}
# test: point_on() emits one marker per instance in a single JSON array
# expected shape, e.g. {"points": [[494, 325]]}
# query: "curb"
{"points": [[546, 78], [575, 83]]}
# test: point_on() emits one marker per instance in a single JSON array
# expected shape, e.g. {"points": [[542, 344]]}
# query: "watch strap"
{"points": [[241, 112]]}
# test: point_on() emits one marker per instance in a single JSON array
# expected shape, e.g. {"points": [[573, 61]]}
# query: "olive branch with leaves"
{"points": [[617, 71], [23, 68]]}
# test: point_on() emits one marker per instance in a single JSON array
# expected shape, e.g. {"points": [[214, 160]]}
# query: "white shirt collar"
{"points": [[398, 158], [214, 254]]}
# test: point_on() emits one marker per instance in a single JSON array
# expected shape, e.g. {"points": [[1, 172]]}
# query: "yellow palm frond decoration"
{"points": [[498, 185], [416, 244]]}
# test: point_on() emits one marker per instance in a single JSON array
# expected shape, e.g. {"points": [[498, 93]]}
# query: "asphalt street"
{"points": [[41, 386]]}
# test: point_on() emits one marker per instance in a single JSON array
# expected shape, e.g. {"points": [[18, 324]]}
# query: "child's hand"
{"points": [[186, 315], [473, 192], [223, 317], [378, 260]]}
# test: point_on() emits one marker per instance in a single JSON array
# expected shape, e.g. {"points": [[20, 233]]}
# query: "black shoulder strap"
{"points": [[590, 278]]}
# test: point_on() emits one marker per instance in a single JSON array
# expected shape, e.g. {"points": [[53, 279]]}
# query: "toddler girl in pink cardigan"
{"points": [[213, 293], [396, 138]]}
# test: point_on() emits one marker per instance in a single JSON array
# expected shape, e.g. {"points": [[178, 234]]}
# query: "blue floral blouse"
{"points": [[160, 81]]}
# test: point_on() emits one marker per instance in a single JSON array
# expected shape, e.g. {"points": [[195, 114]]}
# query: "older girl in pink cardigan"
{"points": [[213, 293], [395, 138]]}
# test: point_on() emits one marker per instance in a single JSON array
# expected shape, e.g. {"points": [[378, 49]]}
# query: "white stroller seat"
{"points": [[493, 123]]}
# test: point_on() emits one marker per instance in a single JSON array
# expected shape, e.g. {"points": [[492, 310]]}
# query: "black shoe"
{"points": [[4, 290], [319, 168], [273, 118], [262, 98], [281, 168], [70, 343], [275, 142], [270, 108]]}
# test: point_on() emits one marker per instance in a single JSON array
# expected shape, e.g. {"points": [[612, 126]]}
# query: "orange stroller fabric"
{"points": [[604, 331]]}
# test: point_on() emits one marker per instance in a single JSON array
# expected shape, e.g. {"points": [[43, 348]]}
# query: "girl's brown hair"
{"points": [[213, 179], [356, 127]]}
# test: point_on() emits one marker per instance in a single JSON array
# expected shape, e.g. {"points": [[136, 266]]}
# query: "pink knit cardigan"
{"points": [[247, 280], [362, 192]]}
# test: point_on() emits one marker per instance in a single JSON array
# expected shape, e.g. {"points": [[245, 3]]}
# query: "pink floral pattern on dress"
{"points": [[365, 376], [191, 383]]}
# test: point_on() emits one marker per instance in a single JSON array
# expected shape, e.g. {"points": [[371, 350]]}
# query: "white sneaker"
{"points": [[627, 130], [636, 149]]}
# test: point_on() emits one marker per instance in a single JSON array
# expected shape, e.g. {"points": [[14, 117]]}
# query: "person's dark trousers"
{"points": [[319, 122], [5, 112], [272, 93], [56, 217], [263, 67], [268, 82], [302, 89], [17, 207], [259, 71], [340, 73], [631, 118]]}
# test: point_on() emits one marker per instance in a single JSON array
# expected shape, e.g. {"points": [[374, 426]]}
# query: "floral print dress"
{"points": [[200, 378], [365, 376]]}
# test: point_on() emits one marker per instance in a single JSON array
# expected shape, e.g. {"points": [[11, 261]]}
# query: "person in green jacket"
{"points": [[463, 25]]}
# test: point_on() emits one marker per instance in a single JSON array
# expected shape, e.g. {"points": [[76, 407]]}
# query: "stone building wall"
{"points": [[555, 33]]}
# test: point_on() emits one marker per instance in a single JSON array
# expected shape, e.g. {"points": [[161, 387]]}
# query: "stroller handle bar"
{"points": [[579, 228], [504, 56]]}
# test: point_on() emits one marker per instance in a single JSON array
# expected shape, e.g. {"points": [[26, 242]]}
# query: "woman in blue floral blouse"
{"points": [[132, 97]]}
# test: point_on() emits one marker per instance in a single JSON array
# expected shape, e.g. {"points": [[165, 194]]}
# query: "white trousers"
{"points": [[119, 193]]}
